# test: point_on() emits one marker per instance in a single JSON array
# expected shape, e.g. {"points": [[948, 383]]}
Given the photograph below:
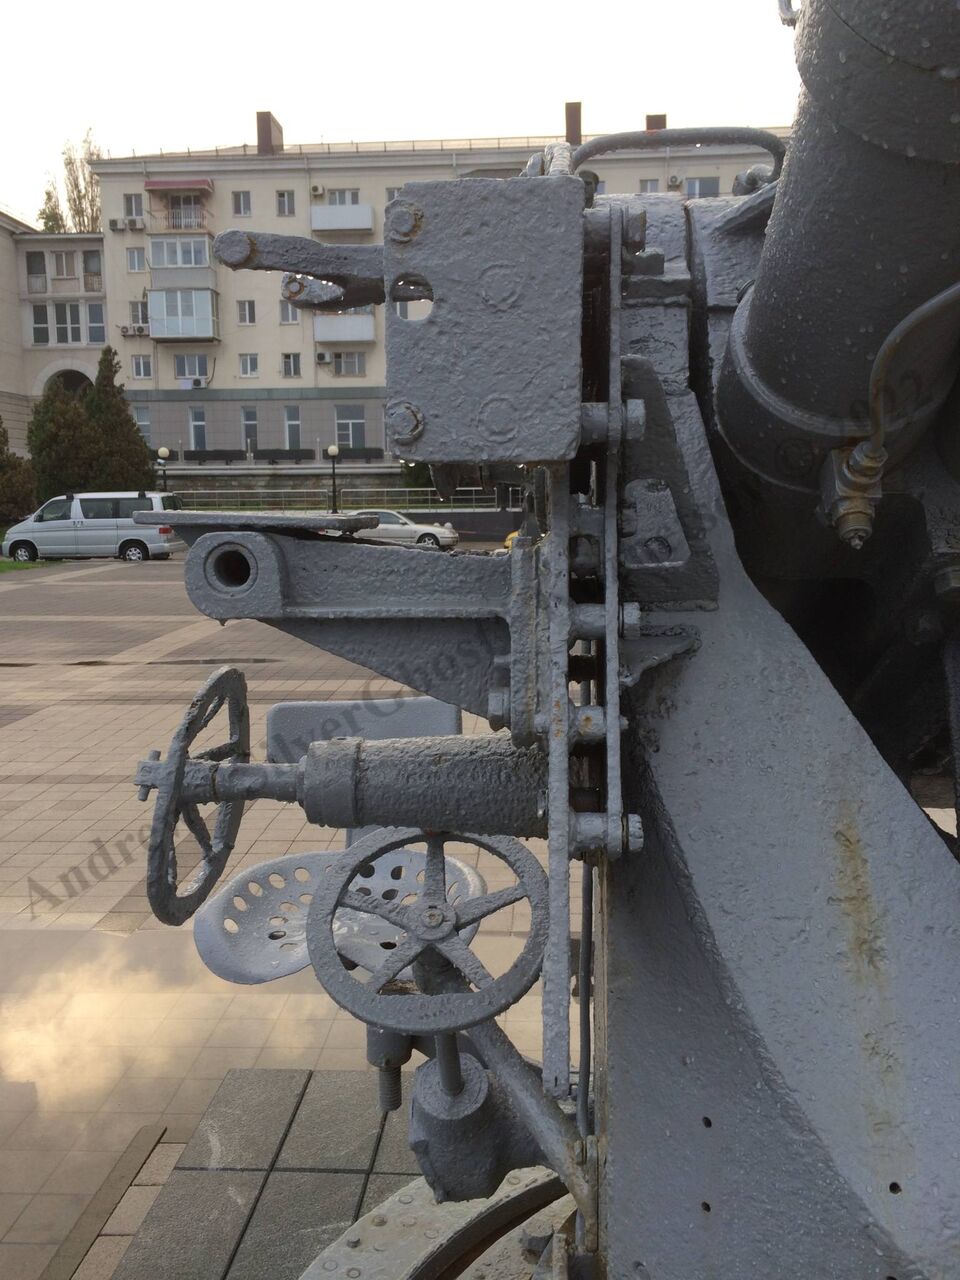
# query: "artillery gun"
{"points": [[721, 661]]}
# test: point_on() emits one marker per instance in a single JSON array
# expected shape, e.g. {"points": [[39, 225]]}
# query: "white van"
{"points": [[94, 524]]}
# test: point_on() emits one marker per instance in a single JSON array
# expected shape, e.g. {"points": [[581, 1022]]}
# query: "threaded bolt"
{"points": [[390, 1082]]}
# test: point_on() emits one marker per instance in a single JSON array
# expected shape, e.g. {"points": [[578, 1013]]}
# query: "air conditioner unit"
{"points": [[199, 382], [674, 180], [134, 224], [124, 329], [323, 357], [316, 189], [142, 329], [117, 224]]}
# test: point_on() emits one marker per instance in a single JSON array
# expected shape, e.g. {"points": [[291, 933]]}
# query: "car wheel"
{"points": [[429, 540], [23, 552], [134, 551]]}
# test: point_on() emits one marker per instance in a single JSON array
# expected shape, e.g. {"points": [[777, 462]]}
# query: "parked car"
{"points": [[94, 524], [394, 527]]}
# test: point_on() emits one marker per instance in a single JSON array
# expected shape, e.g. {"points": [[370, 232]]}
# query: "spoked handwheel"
{"points": [[171, 904], [430, 927]]}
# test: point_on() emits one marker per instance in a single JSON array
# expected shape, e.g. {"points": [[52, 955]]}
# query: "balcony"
{"points": [[183, 313], [341, 217], [344, 327], [180, 220], [92, 282], [37, 284]]}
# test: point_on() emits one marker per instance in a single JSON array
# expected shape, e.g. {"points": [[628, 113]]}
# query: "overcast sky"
{"points": [[146, 77]]}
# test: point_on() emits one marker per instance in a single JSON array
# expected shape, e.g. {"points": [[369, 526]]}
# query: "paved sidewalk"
{"points": [[108, 1020]]}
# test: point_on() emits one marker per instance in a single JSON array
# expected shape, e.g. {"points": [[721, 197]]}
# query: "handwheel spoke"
{"points": [[197, 827], [224, 752], [373, 906], [469, 964], [475, 909], [398, 960], [435, 874]]}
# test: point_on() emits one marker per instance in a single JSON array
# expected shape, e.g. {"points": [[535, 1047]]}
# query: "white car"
{"points": [[94, 524], [394, 527]]}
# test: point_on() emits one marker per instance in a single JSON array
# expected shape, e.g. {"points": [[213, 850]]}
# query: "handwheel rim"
{"points": [[421, 1013], [226, 687]]}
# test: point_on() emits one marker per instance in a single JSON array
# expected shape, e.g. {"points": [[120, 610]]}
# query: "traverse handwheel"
{"points": [[172, 904]]}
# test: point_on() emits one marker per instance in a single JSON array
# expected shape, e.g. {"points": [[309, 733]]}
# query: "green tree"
{"points": [[50, 215], [16, 483], [125, 458], [65, 447], [82, 185]]}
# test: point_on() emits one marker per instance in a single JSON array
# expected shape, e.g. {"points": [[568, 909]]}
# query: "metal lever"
{"points": [[356, 268]]}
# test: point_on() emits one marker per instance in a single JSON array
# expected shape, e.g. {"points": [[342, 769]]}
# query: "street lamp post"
{"points": [[163, 453], [333, 452]]}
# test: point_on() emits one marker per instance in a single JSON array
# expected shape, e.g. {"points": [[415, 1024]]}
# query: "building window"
{"points": [[289, 313], [185, 212], [247, 312], [351, 425], [291, 422], [248, 424], [141, 416], [178, 251], [64, 264], [647, 186], [96, 328], [133, 204], [36, 272], [67, 317], [241, 204], [92, 271], [350, 363], [137, 259], [139, 313], [190, 366], [249, 364], [286, 205], [41, 326], [698, 187], [290, 364], [183, 313], [343, 195], [392, 193], [198, 426], [143, 366]]}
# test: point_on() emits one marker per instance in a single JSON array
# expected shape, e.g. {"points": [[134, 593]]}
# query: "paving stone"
{"points": [[192, 1229], [11, 1207], [24, 1261], [297, 1216], [160, 1164], [380, 1187], [246, 1122], [131, 1211], [103, 1258], [394, 1154], [46, 1219], [80, 1171], [336, 1125]]}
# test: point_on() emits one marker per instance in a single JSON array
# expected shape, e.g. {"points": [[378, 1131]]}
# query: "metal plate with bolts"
{"points": [[409, 1237], [255, 928]]}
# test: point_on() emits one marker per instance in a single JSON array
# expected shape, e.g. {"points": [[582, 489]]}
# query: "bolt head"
{"points": [[404, 422], [403, 221], [634, 832]]}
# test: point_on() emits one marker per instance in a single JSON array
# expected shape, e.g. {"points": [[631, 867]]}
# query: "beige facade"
{"points": [[15, 401], [212, 359]]}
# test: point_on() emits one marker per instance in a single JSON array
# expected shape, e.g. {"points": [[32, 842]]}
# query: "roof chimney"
{"points": [[574, 130], [655, 123], [269, 134]]}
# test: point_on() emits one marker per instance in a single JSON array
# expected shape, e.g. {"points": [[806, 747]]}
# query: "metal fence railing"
{"points": [[348, 499]]}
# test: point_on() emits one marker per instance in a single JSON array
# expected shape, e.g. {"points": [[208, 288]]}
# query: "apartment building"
{"points": [[217, 367]]}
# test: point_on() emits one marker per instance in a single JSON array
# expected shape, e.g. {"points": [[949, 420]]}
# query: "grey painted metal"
{"points": [[292, 726], [645, 140], [255, 928], [432, 923], [411, 1237], [794, 361], [357, 268], [348, 782], [491, 374], [191, 524], [171, 904]]}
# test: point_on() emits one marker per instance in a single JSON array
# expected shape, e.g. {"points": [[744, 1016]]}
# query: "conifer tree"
{"points": [[16, 483], [65, 448], [126, 461]]}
